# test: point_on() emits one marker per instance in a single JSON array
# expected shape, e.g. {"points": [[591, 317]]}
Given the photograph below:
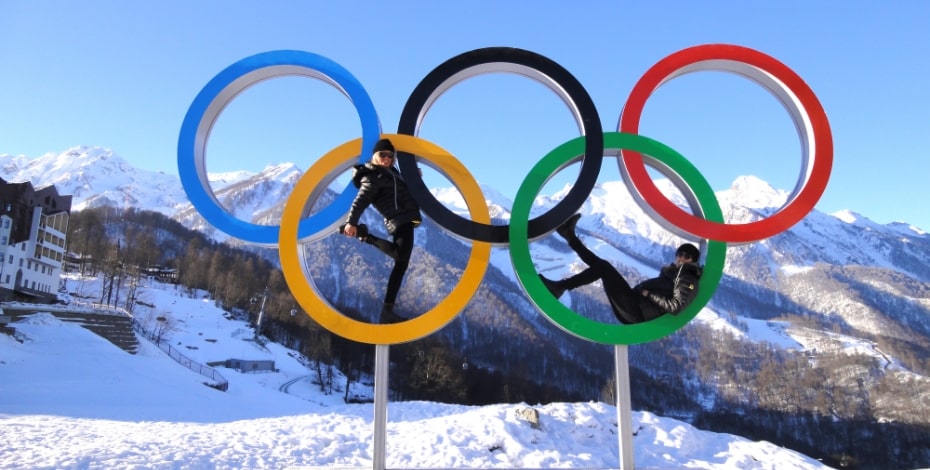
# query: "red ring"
{"points": [[817, 125]]}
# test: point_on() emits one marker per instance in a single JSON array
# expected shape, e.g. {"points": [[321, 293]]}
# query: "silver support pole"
{"points": [[382, 353], [624, 406]]}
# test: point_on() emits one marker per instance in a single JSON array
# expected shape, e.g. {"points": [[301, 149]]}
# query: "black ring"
{"points": [[523, 62]]}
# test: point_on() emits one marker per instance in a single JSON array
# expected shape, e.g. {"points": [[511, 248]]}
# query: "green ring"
{"points": [[569, 320]]}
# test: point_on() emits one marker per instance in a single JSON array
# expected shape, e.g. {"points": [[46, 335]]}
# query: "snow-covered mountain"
{"points": [[845, 298], [96, 176]]}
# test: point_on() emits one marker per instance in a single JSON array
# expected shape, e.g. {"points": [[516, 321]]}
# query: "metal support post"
{"points": [[382, 353], [624, 406]]}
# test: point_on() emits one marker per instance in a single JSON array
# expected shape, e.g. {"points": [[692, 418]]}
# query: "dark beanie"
{"points": [[690, 250], [383, 144]]}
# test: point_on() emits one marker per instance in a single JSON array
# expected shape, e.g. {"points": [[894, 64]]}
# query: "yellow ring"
{"points": [[303, 287]]}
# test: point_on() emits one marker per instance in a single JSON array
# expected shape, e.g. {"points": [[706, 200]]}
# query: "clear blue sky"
{"points": [[122, 75]]}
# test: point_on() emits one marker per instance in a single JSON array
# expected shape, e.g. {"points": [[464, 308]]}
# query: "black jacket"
{"points": [[384, 188], [671, 292]]}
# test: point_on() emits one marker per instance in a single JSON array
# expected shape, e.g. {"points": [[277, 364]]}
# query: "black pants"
{"points": [[623, 300], [400, 249]]}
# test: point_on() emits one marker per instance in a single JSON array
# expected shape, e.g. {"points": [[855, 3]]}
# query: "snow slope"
{"points": [[72, 400]]}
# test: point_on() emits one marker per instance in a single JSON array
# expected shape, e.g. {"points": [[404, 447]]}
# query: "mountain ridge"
{"points": [[845, 299], [52, 168]]}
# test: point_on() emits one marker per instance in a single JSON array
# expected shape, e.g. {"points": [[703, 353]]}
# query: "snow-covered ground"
{"points": [[72, 400]]}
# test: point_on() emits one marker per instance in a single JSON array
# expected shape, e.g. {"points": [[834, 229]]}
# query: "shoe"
{"points": [[388, 315], [567, 229], [361, 231], [554, 287]]}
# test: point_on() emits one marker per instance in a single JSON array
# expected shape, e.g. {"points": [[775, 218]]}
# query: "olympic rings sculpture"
{"points": [[632, 151]]}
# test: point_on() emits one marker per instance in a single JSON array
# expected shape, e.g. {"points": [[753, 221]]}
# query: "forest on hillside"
{"points": [[852, 411]]}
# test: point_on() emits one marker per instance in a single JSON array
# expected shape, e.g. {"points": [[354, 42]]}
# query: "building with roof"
{"points": [[33, 231]]}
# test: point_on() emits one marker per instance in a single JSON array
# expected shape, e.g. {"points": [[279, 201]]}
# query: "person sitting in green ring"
{"points": [[671, 292]]}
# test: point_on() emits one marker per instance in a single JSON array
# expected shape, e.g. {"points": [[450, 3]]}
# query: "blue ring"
{"points": [[197, 125]]}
